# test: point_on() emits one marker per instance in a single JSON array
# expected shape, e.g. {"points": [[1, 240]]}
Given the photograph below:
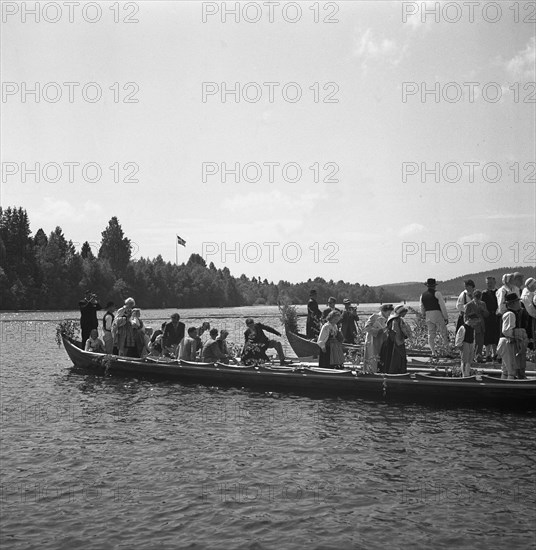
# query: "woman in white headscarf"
{"points": [[376, 333], [507, 287]]}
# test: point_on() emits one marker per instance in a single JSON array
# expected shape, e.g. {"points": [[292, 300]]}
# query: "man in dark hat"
{"points": [[332, 306], [435, 313], [107, 324], [348, 322], [313, 316], [512, 346], [88, 314]]}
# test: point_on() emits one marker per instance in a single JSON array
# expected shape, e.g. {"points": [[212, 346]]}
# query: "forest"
{"points": [[47, 272]]}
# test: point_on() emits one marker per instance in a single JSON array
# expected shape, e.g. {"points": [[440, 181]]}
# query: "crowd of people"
{"points": [[493, 325], [125, 334]]}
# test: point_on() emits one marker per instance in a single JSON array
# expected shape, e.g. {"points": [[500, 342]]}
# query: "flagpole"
{"points": [[176, 250]]}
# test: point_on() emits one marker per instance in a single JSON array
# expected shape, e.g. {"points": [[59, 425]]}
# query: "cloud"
{"points": [[523, 63], [60, 210], [474, 238], [411, 229], [368, 48]]}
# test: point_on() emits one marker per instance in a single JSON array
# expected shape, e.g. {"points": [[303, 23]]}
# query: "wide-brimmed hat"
{"points": [[530, 282], [430, 282], [511, 297], [332, 299], [400, 309], [346, 301]]}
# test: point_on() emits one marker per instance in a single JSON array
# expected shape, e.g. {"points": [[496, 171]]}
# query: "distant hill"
{"points": [[411, 291]]}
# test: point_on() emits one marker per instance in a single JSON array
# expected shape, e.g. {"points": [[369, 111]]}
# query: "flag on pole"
{"points": [[181, 241]]}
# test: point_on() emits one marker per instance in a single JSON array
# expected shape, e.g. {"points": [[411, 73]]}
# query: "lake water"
{"points": [[107, 462]]}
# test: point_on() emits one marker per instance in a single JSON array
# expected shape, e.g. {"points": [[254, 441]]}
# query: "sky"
{"points": [[376, 142]]}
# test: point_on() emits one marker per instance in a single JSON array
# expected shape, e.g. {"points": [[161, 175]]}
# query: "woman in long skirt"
{"points": [[492, 323], [376, 329], [393, 358], [330, 342]]}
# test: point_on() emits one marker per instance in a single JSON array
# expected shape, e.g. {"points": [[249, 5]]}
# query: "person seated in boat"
{"points": [[147, 334], [255, 335], [512, 346], [349, 319], [466, 339], [393, 356], [200, 331], [222, 342], [376, 333], [330, 342], [94, 343], [155, 343], [332, 306], [477, 306], [188, 347], [434, 310], [312, 327], [173, 334], [211, 350], [126, 338]]}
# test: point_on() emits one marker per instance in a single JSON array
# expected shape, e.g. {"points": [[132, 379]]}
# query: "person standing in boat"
{"points": [[107, 324], [393, 357], [434, 310], [478, 307], [254, 334], [512, 346], [506, 288], [463, 299], [492, 323], [88, 314], [376, 333], [528, 299], [126, 337], [173, 335], [349, 319], [330, 342], [465, 341], [314, 315]]}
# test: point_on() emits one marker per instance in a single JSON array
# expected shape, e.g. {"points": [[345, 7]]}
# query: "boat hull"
{"points": [[305, 378]]}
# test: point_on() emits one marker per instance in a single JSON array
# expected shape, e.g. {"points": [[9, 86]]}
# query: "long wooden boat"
{"points": [[303, 347], [305, 377]]}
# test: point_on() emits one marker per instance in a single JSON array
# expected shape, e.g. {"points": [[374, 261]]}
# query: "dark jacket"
{"points": [[172, 336], [259, 337]]}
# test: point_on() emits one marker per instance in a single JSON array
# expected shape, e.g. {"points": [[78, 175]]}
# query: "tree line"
{"points": [[47, 272]]}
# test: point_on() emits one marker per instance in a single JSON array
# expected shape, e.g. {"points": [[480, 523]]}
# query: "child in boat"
{"points": [[94, 343], [465, 341]]}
